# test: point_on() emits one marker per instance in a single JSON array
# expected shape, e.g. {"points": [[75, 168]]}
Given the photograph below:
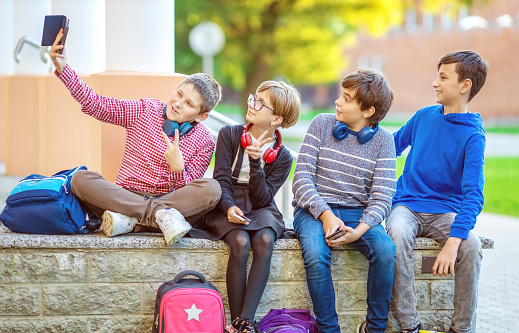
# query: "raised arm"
{"points": [[106, 109]]}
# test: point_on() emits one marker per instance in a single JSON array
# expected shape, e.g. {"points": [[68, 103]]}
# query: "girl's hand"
{"points": [[254, 150], [233, 219]]}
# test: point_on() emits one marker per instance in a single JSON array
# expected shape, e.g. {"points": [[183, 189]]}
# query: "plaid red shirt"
{"points": [[144, 167]]}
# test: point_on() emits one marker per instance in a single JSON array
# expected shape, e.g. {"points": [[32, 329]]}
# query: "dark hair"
{"points": [[208, 88], [371, 90], [469, 65]]}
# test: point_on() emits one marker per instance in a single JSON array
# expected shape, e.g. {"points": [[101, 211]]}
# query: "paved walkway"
{"points": [[498, 304]]}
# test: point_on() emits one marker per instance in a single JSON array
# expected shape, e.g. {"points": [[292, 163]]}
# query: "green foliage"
{"points": [[302, 40]]}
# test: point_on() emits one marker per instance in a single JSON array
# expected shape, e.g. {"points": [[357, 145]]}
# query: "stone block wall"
{"points": [[90, 283]]}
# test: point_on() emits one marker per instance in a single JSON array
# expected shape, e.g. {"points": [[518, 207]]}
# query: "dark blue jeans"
{"points": [[375, 244]]}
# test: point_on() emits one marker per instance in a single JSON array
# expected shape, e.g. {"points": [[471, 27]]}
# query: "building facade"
{"points": [[408, 56]]}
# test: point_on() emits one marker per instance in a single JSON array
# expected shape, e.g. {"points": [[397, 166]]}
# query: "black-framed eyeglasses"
{"points": [[257, 105]]}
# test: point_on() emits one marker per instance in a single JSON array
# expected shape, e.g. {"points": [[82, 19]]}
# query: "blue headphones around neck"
{"points": [[170, 126], [340, 132]]}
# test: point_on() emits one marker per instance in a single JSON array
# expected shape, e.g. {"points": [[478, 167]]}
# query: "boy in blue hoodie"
{"points": [[440, 193]]}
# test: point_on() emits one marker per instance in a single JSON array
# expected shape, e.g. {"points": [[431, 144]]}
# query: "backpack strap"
{"points": [[91, 225], [190, 272]]}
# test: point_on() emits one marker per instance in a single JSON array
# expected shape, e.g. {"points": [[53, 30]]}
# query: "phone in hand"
{"points": [[427, 264], [51, 27], [241, 218], [336, 234]]}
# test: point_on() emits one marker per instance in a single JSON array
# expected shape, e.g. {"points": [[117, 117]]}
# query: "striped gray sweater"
{"points": [[346, 173]]}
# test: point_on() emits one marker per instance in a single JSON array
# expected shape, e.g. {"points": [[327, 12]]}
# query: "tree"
{"points": [[302, 40]]}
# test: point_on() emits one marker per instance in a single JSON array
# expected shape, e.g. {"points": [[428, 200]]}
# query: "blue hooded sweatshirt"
{"points": [[443, 172]]}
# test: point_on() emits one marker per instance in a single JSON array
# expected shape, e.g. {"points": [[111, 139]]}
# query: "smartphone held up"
{"points": [[51, 27]]}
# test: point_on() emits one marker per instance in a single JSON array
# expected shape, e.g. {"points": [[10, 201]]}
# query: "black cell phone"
{"points": [[242, 218], [427, 264], [337, 233], [51, 28]]}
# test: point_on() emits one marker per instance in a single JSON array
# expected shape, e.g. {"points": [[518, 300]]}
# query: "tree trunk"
{"points": [[261, 70], [259, 74]]}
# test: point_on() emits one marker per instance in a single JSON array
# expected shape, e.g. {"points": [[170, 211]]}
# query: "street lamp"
{"points": [[207, 39]]}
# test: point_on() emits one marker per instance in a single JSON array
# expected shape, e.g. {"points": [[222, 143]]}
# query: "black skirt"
{"points": [[214, 225]]}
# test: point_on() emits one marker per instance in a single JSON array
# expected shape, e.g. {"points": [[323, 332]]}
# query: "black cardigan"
{"points": [[263, 183]]}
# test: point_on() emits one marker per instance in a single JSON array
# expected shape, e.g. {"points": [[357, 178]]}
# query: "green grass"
{"points": [[501, 184], [507, 130], [231, 109]]}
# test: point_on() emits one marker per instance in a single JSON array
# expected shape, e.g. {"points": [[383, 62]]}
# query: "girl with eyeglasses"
{"points": [[251, 164]]}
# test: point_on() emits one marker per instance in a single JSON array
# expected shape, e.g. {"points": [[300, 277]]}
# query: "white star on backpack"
{"points": [[193, 313]]}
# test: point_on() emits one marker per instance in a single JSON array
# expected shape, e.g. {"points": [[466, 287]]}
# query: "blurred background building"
{"points": [[408, 56]]}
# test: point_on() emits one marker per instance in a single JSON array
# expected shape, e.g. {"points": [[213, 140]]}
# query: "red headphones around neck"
{"points": [[270, 154]]}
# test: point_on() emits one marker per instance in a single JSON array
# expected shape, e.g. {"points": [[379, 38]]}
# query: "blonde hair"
{"points": [[285, 100]]}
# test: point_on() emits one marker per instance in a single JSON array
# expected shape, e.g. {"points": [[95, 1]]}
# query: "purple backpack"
{"points": [[288, 321]]}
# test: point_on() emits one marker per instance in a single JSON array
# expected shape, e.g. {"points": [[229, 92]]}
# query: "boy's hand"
{"points": [[254, 150], [234, 219], [350, 236], [330, 224], [173, 154], [447, 257], [58, 60]]}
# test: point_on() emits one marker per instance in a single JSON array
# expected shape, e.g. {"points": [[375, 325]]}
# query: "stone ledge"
{"points": [[85, 283], [97, 240]]}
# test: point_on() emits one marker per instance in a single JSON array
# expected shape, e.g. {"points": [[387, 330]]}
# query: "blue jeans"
{"points": [[375, 244]]}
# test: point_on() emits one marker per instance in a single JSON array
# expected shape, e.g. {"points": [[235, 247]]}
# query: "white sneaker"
{"points": [[117, 224], [172, 224]]}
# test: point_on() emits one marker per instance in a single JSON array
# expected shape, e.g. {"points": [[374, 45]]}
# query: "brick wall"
{"points": [[409, 59]]}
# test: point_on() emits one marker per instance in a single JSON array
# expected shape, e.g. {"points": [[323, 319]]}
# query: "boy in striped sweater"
{"points": [[343, 186]]}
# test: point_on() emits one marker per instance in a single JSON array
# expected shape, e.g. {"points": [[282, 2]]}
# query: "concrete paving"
{"points": [[498, 302]]}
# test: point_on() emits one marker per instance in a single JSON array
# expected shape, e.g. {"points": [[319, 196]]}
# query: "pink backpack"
{"points": [[188, 305]]}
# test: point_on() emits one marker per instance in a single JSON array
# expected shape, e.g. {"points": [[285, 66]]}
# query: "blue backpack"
{"points": [[45, 205]]}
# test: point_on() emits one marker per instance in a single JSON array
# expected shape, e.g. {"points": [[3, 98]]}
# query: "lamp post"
{"points": [[207, 39]]}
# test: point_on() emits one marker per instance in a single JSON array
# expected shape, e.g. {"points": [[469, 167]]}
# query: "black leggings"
{"points": [[244, 297]]}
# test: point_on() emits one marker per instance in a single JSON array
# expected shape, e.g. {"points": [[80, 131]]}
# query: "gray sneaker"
{"points": [[117, 224], [172, 224]]}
